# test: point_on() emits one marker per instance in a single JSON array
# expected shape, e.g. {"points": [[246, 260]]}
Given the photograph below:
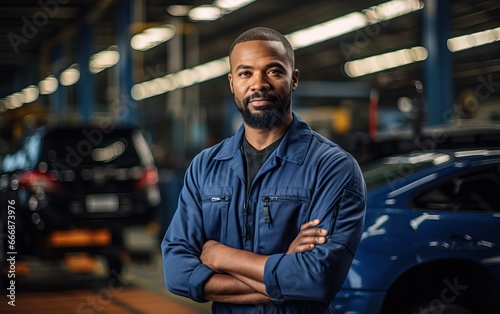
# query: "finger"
{"points": [[310, 224], [304, 248], [314, 232], [311, 240]]}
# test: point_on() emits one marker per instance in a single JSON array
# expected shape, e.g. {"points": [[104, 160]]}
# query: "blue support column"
{"points": [[438, 85], [124, 19], [86, 87]]}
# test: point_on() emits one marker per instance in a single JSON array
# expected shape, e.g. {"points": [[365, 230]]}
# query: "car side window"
{"points": [[471, 190]]}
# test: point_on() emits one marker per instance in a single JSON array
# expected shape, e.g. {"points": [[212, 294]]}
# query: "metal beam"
{"points": [[124, 20]]}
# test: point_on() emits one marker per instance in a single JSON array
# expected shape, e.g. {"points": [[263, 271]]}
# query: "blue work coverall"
{"points": [[305, 178]]}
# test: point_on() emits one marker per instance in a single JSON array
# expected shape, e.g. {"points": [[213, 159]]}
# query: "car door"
{"points": [[460, 214]]}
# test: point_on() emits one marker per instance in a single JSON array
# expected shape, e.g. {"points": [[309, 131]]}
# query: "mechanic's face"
{"points": [[262, 79]]}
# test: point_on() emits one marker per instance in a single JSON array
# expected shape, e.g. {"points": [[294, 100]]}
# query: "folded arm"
{"points": [[239, 274], [228, 289]]}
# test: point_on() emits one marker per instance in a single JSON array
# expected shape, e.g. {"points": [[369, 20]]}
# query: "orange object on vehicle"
{"points": [[80, 237]]}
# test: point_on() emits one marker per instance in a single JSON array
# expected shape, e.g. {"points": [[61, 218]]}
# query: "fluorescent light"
{"points": [[70, 76], [181, 79], [385, 61], [13, 101], [104, 59], [212, 69], [353, 21], [324, 31], [48, 85], [214, 11], [392, 9], [232, 5], [474, 40], [152, 37], [205, 12], [29, 94]]}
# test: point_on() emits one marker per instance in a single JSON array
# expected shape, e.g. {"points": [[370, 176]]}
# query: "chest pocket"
{"points": [[282, 210], [215, 206]]}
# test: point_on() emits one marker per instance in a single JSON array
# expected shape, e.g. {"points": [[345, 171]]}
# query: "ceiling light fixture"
{"points": [[214, 11], [392, 9], [385, 61], [152, 37], [13, 101], [29, 94], [48, 85], [70, 76], [324, 31], [181, 79], [474, 40], [104, 59], [231, 5], [205, 13], [352, 22]]}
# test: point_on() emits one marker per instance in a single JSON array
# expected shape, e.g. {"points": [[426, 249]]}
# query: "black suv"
{"points": [[75, 189]]}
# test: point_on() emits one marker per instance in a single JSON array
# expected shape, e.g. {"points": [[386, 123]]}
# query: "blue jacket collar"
{"points": [[293, 147]]}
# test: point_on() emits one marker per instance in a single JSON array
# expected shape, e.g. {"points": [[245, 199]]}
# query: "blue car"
{"points": [[431, 242]]}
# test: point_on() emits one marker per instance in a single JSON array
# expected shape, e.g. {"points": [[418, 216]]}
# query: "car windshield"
{"points": [[388, 169], [81, 147]]}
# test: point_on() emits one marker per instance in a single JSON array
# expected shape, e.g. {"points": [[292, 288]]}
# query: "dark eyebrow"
{"points": [[276, 64], [270, 65], [243, 67]]}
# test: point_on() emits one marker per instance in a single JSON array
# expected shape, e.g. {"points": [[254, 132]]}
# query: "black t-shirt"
{"points": [[255, 158]]}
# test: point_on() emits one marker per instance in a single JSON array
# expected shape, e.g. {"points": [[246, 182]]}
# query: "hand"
{"points": [[308, 237]]}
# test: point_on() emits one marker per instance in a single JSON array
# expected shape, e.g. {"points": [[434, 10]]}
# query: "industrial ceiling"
{"points": [[30, 29]]}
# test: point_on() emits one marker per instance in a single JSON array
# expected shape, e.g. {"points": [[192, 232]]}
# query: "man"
{"points": [[268, 220]]}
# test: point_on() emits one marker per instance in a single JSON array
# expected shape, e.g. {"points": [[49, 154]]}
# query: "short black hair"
{"points": [[268, 34]]}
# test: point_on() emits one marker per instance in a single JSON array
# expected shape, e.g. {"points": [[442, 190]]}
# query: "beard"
{"points": [[267, 117]]}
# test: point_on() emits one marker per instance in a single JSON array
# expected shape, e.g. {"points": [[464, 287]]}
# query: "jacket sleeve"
{"points": [[339, 202], [184, 273]]}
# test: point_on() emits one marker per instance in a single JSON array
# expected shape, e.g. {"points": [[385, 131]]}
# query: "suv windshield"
{"points": [[392, 168], [81, 147]]}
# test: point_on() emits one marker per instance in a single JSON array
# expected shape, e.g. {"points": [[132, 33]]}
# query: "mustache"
{"points": [[261, 95]]}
